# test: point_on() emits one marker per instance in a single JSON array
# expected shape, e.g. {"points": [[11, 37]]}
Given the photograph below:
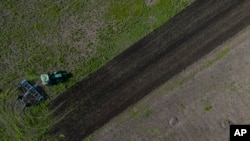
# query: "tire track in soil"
{"points": [[147, 64]]}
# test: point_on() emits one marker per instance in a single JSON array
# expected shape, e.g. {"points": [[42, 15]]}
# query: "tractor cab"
{"points": [[45, 79]]}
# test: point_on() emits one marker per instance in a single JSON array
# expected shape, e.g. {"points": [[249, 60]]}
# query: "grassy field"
{"points": [[77, 36]]}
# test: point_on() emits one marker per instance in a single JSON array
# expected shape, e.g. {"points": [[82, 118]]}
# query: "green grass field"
{"points": [[76, 36]]}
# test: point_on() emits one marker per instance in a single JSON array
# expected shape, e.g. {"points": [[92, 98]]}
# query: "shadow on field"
{"points": [[147, 64]]}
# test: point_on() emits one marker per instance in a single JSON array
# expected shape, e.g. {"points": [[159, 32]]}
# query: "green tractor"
{"points": [[54, 78]]}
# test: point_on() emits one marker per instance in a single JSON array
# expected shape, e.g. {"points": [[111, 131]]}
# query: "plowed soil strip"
{"points": [[147, 64]]}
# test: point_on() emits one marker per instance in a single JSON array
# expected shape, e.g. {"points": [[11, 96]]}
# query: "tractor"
{"points": [[54, 78], [31, 96]]}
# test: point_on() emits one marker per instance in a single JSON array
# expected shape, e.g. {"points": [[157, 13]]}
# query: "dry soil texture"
{"points": [[196, 105], [148, 64]]}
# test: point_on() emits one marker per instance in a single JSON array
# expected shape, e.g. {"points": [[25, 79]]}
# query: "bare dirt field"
{"points": [[197, 104], [151, 62]]}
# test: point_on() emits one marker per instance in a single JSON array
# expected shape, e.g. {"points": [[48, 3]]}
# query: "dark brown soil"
{"points": [[147, 64]]}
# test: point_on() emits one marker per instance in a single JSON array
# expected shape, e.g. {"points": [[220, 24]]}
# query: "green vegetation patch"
{"points": [[182, 106], [207, 108], [217, 57], [221, 54]]}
